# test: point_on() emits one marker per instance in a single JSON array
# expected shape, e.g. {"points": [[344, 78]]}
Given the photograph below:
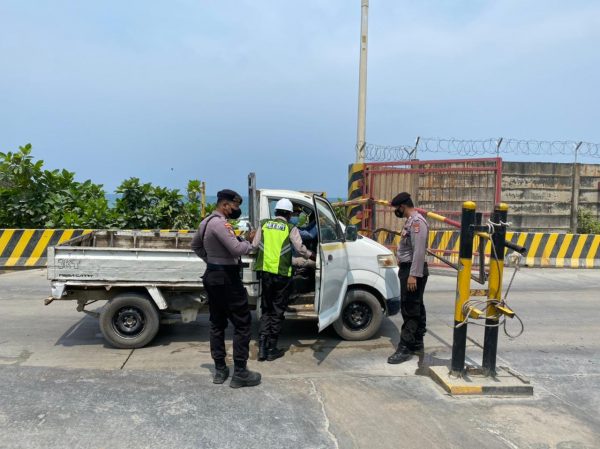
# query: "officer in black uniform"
{"points": [[413, 274], [216, 243]]}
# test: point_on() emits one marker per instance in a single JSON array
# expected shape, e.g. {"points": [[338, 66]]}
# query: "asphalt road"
{"points": [[62, 387]]}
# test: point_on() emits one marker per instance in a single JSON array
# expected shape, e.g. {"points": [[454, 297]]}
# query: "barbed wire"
{"points": [[380, 153], [481, 147]]}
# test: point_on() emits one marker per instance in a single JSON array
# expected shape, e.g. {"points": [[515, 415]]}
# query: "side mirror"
{"points": [[351, 233]]}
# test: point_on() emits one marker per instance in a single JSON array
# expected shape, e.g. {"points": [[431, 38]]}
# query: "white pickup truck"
{"points": [[148, 278]]}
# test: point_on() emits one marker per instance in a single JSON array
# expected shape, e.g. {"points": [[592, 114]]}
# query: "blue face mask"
{"points": [[294, 220]]}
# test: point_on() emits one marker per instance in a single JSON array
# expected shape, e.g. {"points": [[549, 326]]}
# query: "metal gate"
{"points": [[441, 186]]}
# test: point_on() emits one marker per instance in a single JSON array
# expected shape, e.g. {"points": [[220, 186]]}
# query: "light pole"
{"points": [[362, 84]]}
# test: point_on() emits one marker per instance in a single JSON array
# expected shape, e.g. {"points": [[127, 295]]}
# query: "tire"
{"points": [[361, 316], [129, 321]]}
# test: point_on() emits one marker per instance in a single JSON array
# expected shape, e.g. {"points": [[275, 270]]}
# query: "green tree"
{"points": [[191, 214], [144, 206], [32, 197]]}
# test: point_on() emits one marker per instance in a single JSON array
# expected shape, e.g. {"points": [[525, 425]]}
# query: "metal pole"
{"points": [[481, 249], [463, 288], [252, 203], [414, 156], [575, 192], [490, 339], [362, 84]]}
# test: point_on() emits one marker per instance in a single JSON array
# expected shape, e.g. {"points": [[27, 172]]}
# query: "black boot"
{"points": [[273, 352], [262, 348], [402, 354], [221, 372], [243, 377]]}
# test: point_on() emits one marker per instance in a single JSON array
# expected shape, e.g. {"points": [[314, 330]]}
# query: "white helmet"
{"points": [[284, 204]]}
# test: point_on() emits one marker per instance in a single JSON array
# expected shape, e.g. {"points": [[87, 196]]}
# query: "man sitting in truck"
{"points": [[308, 234]]}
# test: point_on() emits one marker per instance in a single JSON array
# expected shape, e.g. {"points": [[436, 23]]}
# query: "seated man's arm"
{"points": [[296, 242]]}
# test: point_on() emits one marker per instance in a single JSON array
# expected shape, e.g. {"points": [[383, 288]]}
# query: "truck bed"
{"points": [[126, 256]]}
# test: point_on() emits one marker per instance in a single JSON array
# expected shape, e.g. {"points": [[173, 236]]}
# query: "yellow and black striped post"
{"points": [[463, 287], [356, 175], [490, 341]]}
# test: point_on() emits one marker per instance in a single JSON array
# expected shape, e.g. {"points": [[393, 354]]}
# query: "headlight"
{"points": [[387, 261]]}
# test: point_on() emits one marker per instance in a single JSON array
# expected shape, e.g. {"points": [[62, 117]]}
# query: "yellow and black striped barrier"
{"points": [[27, 248], [543, 249], [22, 248], [355, 192]]}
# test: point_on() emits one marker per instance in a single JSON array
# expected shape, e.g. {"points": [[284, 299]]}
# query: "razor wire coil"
{"points": [[480, 147]]}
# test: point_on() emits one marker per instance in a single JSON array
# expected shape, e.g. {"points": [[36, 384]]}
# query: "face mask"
{"points": [[234, 214], [295, 220], [399, 213]]}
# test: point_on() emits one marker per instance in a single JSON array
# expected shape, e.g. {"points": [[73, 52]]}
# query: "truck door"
{"points": [[329, 296]]}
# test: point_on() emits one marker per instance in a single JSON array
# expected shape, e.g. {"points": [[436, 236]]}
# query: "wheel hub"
{"points": [[129, 322], [357, 315]]}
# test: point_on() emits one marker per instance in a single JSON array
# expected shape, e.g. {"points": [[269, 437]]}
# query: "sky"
{"points": [[215, 89]]}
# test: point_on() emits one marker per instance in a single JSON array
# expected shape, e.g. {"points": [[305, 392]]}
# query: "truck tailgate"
{"points": [[67, 263]]}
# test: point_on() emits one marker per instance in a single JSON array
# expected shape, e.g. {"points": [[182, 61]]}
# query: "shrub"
{"points": [[587, 222]]}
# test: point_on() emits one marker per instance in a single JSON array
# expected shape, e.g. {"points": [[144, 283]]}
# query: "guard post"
{"points": [[496, 269], [463, 288]]}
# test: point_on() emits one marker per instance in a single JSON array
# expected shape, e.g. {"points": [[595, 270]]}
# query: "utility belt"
{"points": [[228, 268], [408, 264]]}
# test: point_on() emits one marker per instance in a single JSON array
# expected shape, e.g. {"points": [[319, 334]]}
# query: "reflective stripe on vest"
{"points": [[275, 250]]}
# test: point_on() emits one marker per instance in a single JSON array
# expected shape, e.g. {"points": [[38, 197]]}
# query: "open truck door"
{"points": [[332, 278]]}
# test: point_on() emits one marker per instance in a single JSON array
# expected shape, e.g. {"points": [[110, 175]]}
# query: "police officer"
{"points": [[219, 247], [275, 239], [413, 275]]}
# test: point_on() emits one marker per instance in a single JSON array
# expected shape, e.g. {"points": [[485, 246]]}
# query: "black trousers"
{"points": [[275, 298], [228, 301], [412, 307]]}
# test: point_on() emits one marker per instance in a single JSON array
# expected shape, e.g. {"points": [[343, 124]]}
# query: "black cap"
{"points": [[400, 199], [229, 195]]}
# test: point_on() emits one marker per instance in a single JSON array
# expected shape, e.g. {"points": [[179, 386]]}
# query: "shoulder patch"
{"points": [[416, 227], [229, 227]]}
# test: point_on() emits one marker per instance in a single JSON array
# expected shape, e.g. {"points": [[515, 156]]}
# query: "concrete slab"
{"points": [[505, 383]]}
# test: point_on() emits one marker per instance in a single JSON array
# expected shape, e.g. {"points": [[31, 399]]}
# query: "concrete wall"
{"points": [[540, 194]]}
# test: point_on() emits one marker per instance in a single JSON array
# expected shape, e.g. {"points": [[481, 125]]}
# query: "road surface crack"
{"points": [[327, 423], [127, 359]]}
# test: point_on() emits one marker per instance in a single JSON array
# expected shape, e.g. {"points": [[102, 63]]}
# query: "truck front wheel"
{"points": [[129, 321], [361, 316]]}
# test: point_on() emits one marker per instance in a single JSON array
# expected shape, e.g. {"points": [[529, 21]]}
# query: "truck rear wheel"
{"points": [[129, 321], [361, 316]]}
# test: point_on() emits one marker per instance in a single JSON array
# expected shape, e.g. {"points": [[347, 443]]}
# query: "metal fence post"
{"points": [[575, 192], [490, 341], [463, 287]]}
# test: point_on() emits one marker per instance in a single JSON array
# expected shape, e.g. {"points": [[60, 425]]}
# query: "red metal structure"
{"points": [[440, 185]]}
